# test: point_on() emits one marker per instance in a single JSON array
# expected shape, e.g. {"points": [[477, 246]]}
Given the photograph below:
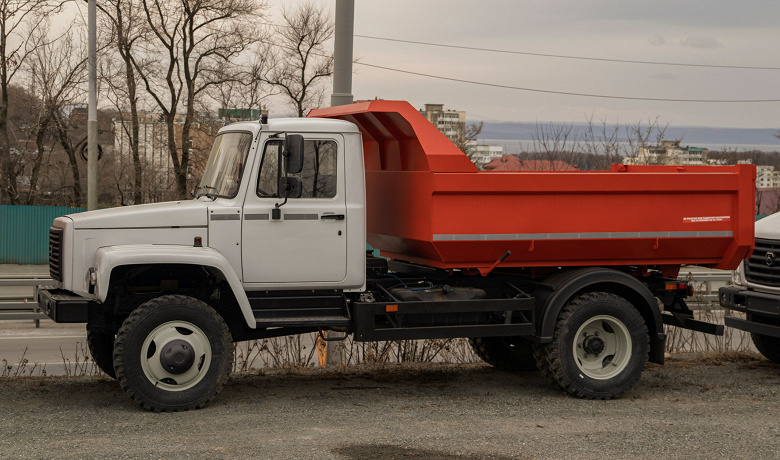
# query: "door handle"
{"points": [[332, 216]]}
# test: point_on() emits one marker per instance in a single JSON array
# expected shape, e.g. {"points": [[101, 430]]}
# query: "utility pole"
{"points": [[92, 124], [342, 95], [342, 53]]}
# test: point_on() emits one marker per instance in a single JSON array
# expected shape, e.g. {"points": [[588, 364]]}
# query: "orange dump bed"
{"points": [[427, 203]]}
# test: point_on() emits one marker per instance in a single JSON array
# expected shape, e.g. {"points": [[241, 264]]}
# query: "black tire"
{"points": [[505, 353], [540, 358], [768, 346], [611, 342], [101, 348], [189, 365]]}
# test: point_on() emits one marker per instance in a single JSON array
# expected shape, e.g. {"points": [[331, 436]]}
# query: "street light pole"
{"points": [[92, 128], [342, 95], [342, 53]]}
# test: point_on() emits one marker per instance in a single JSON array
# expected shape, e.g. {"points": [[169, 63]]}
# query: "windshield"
{"points": [[222, 175]]}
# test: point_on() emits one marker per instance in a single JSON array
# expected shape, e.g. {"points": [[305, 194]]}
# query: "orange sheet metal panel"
{"points": [[449, 215]]}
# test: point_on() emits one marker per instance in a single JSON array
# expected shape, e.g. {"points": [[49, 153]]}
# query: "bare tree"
{"points": [[556, 143], [645, 136], [467, 134], [28, 122], [126, 26], [602, 142], [57, 72], [193, 44], [249, 90], [15, 47], [300, 61]]}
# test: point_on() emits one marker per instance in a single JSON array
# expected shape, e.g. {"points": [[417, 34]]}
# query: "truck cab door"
{"points": [[308, 243]]}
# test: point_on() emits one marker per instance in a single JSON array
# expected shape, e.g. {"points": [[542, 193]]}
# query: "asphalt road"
{"points": [[53, 348], [722, 406]]}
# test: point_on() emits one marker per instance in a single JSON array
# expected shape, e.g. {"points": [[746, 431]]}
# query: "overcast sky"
{"points": [[712, 32]]}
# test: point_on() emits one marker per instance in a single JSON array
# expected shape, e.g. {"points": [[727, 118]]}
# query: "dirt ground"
{"points": [[696, 406]]}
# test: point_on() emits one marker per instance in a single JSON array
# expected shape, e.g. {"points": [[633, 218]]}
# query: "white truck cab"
{"points": [[276, 234], [316, 241], [755, 290]]}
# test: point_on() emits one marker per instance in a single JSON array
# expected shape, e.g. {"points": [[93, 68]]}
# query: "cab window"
{"points": [[318, 176]]}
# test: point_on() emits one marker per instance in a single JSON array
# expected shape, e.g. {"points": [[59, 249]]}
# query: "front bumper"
{"points": [[63, 306], [762, 310]]}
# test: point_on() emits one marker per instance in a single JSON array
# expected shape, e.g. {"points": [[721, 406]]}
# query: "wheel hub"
{"points": [[593, 345], [177, 356]]}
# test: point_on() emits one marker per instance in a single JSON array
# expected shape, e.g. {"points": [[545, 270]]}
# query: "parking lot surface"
{"points": [[710, 406]]}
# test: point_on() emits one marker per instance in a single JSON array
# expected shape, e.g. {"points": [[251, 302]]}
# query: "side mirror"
{"points": [[290, 187], [292, 154]]}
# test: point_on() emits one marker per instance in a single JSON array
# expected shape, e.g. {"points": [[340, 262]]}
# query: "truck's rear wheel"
{"points": [[101, 347], [505, 353], [599, 348], [173, 353], [768, 346]]}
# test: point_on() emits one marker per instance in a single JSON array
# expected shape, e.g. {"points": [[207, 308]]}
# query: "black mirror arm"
{"points": [[276, 212]]}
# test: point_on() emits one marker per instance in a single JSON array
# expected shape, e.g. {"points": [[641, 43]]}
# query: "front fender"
{"points": [[110, 257]]}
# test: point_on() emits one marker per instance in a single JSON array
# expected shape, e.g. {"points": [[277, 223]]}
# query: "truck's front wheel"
{"points": [[768, 346], [599, 347], [101, 347], [173, 353]]}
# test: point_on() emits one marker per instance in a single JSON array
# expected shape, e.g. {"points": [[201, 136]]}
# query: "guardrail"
{"points": [[15, 307], [705, 286]]}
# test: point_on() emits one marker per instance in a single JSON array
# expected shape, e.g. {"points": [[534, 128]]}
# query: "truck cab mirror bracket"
{"points": [[292, 153], [291, 159]]}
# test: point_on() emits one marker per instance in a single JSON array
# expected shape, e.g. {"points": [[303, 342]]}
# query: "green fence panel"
{"points": [[24, 232]]}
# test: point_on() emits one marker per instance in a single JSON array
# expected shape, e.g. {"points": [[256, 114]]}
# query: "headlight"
{"points": [[736, 276]]}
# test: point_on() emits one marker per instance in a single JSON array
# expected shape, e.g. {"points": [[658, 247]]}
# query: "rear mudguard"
{"points": [[559, 288]]}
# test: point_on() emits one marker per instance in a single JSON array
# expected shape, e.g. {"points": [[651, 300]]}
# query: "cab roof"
{"points": [[295, 125]]}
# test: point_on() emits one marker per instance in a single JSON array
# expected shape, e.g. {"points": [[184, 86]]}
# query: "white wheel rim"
{"points": [[611, 336], [163, 335]]}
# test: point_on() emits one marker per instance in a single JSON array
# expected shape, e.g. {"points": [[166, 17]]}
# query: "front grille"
{"points": [[761, 267], [55, 253]]}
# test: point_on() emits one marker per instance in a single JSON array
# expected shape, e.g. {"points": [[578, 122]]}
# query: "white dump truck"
{"points": [[560, 271]]}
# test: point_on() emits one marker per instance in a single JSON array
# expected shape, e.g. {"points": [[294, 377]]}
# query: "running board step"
{"points": [[297, 308], [322, 321]]}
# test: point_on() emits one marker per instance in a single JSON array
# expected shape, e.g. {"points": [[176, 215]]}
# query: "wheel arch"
{"points": [[562, 287], [112, 263]]}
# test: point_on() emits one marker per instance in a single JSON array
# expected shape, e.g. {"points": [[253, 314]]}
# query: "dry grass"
{"points": [[685, 341], [22, 367], [300, 352]]}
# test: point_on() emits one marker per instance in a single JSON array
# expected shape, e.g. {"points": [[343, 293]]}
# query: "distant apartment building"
{"points": [[152, 144], [452, 123], [155, 157], [668, 153], [483, 154], [767, 177]]}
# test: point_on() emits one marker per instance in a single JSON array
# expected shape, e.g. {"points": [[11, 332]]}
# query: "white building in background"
{"points": [[452, 123], [668, 153], [483, 154], [152, 144], [767, 177]]}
